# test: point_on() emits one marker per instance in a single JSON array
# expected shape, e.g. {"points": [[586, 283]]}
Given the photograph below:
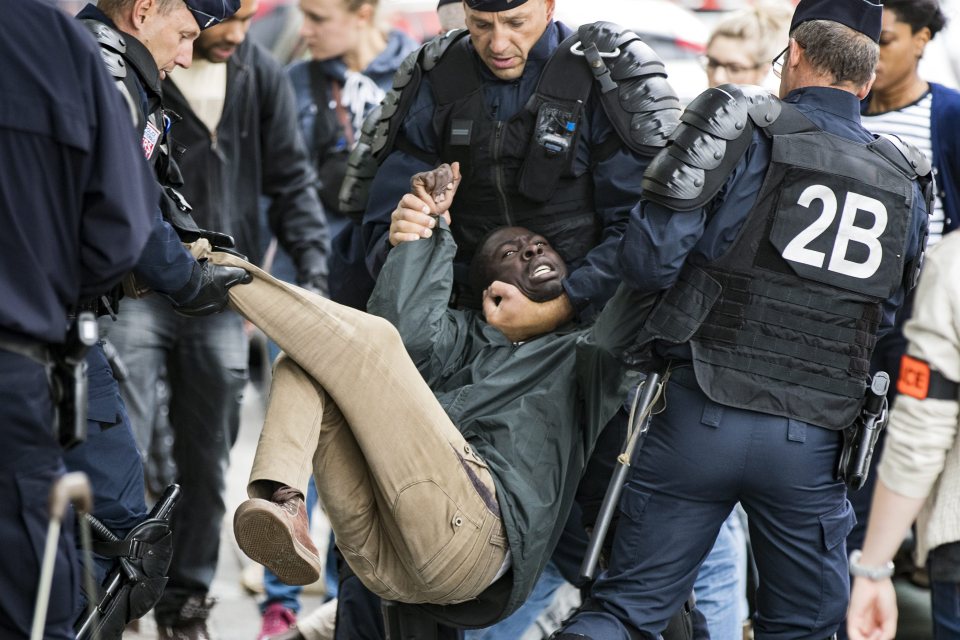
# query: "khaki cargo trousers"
{"points": [[413, 507]]}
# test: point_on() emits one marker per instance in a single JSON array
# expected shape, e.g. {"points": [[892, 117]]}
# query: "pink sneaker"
{"points": [[276, 620]]}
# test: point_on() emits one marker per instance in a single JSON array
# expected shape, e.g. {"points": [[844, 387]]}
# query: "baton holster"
{"points": [[136, 584]]}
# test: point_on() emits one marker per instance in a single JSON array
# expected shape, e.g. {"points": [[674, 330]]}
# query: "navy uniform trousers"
{"points": [[109, 457], [30, 461], [697, 461]]}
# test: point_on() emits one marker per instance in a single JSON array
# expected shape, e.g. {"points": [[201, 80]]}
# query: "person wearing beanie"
{"points": [[781, 256]]}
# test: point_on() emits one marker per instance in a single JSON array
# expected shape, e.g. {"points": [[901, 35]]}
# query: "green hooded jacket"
{"points": [[531, 410]]}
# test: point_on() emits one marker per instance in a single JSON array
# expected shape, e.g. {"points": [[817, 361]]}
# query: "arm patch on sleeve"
{"points": [[919, 381]]}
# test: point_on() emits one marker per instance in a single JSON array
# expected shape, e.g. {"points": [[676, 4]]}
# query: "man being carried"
{"points": [[445, 453]]}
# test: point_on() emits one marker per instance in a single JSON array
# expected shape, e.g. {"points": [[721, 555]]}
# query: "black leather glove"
{"points": [[211, 283], [312, 272]]}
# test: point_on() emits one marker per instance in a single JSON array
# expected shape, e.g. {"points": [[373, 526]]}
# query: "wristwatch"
{"points": [[871, 573]]}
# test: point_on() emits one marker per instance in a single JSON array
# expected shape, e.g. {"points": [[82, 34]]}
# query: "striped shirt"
{"points": [[912, 124]]}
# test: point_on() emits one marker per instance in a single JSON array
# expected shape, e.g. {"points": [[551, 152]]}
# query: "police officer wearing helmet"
{"points": [[140, 42], [784, 237], [552, 129], [69, 232]]}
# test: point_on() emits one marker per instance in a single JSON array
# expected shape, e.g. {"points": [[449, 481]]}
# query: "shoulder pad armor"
{"points": [[918, 162], [425, 57], [434, 49], [634, 91], [715, 130], [112, 47], [404, 73], [406, 82], [361, 169], [628, 57], [631, 56]]}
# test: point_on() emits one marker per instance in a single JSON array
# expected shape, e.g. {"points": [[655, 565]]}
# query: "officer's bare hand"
{"points": [[431, 195], [873, 610], [518, 317]]}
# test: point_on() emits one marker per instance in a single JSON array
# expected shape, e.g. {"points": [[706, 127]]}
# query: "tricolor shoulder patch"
{"points": [[151, 135]]}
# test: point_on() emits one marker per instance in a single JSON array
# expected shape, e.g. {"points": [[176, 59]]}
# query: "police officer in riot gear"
{"points": [[550, 128], [140, 41], [784, 236]]}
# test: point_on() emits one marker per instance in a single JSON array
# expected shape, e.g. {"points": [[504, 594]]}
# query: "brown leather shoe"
{"points": [[276, 534]]}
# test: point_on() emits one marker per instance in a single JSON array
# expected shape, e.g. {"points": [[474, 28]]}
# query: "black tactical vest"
{"points": [[792, 325], [509, 179]]}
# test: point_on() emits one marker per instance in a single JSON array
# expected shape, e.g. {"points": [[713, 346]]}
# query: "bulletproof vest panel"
{"points": [[802, 284], [838, 218]]}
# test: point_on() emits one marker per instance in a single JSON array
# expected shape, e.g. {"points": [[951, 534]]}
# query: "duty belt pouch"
{"points": [[551, 149], [70, 380]]}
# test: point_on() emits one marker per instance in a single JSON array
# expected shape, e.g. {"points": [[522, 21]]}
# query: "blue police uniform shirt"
{"points": [[659, 240], [617, 179], [75, 193]]}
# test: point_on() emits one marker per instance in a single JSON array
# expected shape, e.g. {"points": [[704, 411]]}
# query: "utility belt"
{"points": [[860, 438], [105, 305], [67, 372]]}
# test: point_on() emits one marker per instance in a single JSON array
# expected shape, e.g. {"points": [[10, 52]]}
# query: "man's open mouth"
{"points": [[543, 270]]}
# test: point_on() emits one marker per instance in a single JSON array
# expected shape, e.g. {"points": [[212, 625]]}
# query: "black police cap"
{"points": [[211, 12], [860, 15], [494, 5], [443, 2]]}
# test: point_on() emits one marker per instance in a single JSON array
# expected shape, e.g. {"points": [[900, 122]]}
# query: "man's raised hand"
{"points": [[431, 194]]}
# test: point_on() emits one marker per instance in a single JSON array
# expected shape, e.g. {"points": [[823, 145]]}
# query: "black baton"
{"points": [[641, 412]]}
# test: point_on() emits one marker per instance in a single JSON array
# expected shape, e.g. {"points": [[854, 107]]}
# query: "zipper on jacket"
{"points": [[498, 174]]}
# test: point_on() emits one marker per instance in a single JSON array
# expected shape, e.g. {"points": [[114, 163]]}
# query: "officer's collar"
{"points": [[137, 54], [838, 102]]}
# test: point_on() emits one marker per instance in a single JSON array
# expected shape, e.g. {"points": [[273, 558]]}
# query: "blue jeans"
{"points": [[721, 586], [206, 362], [514, 626], [945, 601], [944, 593]]}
